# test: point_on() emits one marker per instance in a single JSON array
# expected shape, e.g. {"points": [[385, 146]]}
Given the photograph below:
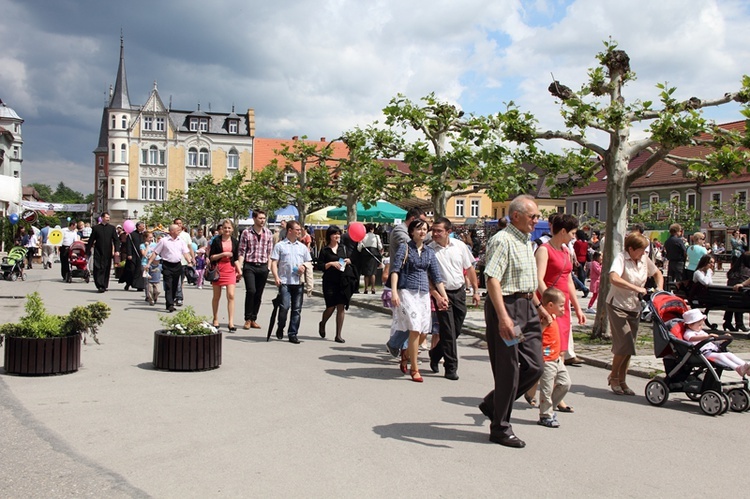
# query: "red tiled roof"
{"points": [[661, 173], [263, 151]]}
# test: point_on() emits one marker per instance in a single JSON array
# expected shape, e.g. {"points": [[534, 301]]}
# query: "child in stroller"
{"points": [[12, 265], [687, 364], [692, 331]]}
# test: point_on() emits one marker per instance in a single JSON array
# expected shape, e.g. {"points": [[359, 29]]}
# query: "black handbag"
{"points": [[212, 273]]}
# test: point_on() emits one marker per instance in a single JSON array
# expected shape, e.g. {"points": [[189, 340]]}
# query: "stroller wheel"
{"points": [[695, 397], [712, 403], [725, 405], [657, 392], [14, 277], [23, 276], [739, 399]]}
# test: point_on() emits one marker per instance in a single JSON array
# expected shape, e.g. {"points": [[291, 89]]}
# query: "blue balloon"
{"points": [[14, 218], [195, 246]]}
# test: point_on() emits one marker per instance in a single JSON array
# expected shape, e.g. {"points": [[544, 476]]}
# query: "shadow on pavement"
{"points": [[429, 434]]}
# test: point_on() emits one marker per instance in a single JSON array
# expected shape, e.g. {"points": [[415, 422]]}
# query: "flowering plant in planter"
{"points": [[37, 323], [186, 322]]}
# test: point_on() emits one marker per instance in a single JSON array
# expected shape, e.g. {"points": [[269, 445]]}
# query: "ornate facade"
{"points": [[144, 152]]}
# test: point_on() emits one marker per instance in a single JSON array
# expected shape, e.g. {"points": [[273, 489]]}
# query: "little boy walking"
{"points": [[555, 381]]}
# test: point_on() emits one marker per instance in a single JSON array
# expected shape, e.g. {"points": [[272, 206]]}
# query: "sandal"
{"points": [[565, 408], [415, 376], [626, 389], [530, 400], [614, 384]]}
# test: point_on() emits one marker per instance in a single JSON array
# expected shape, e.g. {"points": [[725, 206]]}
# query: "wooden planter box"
{"points": [[42, 356], [175, 352]]}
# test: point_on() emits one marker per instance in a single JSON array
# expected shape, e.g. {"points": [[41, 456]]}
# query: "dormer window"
{"points": [[193, 124], [148, 122], [159, 124], [204, 124], [233, 127]]}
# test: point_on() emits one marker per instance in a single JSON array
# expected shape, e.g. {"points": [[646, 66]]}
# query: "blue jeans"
{"points": [[399, 339], [291, 296]]}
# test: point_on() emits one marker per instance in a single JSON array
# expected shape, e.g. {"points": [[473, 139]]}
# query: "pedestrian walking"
{"points": [[456, 266], [225, 255], [106, 244], [338, 281], [70, 235], [172, 249], [287, 259], [256, 245], [512, 312]]}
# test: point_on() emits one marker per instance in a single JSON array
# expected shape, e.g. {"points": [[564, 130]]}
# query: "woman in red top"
{"points": [[554, 268], [225, 254]]}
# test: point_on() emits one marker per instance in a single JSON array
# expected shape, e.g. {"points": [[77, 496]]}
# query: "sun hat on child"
{"points": [[692, 315]]}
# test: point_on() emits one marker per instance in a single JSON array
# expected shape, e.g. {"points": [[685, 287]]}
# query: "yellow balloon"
{"points": [[55, 236]]}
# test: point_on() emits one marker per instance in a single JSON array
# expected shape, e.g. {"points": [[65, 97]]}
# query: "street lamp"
{"points": [[135, 214]]}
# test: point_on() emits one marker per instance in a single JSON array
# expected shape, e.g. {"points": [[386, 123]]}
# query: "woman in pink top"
{"points": [[595, 273]]}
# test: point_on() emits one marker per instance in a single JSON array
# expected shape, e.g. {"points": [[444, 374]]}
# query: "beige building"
{"points": [[146, 151]]}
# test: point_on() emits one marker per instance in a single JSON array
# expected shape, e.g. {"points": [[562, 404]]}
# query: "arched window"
{"points": [[192, 157], [123, 154], [124, 121], [112, 188], [203, 157], [112, 153], [123, 184], [653, 198], [233, 159], [114, 121]]}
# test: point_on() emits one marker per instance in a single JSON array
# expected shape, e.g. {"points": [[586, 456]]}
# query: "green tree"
{"points": [[363, 176], [455, 154], [44, 191], [312, 188], [659, 216], [731, 214], [599, 109]]}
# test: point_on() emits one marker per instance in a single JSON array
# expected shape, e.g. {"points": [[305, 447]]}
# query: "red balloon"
{"points": [[357, 231]]}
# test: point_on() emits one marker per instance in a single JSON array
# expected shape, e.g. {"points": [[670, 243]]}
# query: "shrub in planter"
{"points": [[188, 343], [41, 343]]}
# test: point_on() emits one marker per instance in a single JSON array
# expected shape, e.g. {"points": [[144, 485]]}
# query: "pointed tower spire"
{"points": [[120, 98]]}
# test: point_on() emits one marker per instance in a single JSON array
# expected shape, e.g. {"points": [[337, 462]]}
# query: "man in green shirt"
{"points": [[512, 312]]}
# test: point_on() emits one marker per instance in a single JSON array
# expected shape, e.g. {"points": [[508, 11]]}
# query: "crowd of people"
{"points": [[428, 273]]}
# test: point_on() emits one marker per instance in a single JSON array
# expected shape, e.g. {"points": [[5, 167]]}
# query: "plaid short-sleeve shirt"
{"points": [[510, 260]]}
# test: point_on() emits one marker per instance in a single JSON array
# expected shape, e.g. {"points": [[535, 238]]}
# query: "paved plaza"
{"points": [[321, 419]]}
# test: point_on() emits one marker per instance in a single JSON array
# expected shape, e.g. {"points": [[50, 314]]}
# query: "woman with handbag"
{"points": [[738, 273], [338, 281], [627, 276], [225, 258], [413, 269]]}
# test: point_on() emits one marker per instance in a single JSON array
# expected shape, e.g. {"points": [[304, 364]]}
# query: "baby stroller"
{"points": [[79, 265], [12, 265], [687, 369]]}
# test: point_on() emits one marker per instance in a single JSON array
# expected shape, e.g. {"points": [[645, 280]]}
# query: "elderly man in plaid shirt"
{"points": [[512, 312], [256, 244]]}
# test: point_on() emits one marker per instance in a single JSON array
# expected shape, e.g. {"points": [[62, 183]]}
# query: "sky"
{"points": [[319, 68]]}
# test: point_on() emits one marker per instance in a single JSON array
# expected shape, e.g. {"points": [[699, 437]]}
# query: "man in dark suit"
{"points": [[105, 242]]}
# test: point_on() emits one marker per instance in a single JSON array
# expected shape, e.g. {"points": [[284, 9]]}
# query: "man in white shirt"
{"points": [[454, 258], [287, 260]]}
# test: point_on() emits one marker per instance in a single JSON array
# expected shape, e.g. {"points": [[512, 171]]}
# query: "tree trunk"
{"points": [[351, 208], [616, 228], [440, 203]]}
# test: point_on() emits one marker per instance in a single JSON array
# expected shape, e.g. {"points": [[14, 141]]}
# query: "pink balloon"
{"points": [[357, 231], [128, 226]]}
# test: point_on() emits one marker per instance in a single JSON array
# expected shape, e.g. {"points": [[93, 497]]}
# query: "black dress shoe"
{"points": [[339, 340], [729, 327], [434, 365], [508, 441], [486, 410], [127, 287], [170, 309], [293, 339], [743, 328], [279, 333], [453, 376]]}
